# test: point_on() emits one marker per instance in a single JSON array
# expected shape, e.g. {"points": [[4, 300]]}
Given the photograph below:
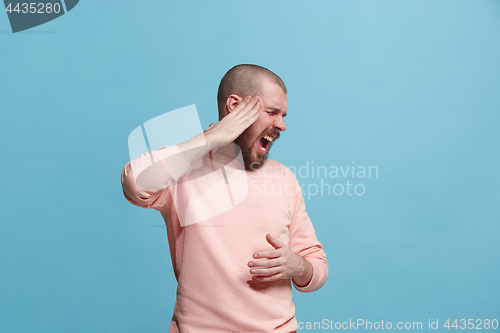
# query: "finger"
{"points": [[267, 254], [271, 278], [251, 117], [266, 271], [255, 109], [248, 101], [265, 262], [244, 102], [257, 284], [250, 105], [276, 243]]}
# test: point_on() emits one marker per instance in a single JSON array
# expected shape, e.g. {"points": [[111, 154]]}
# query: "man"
{"points": [[234, 269]]}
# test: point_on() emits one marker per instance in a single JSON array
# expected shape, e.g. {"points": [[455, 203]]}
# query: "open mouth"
{"points": [[264, 143]]}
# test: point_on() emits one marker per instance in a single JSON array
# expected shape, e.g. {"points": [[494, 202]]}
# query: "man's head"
{"points": [[241, 81]]}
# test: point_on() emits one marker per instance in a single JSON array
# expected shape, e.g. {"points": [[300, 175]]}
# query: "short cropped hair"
{"points": [[244, 80]]}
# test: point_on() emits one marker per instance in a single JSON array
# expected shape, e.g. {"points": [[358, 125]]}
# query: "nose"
{"points": [[279, 124]]}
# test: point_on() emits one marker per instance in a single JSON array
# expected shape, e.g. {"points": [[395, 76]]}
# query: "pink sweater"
{"points": [[210, 256]]}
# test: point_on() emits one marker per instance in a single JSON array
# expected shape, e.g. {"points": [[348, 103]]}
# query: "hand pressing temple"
{"points": [[280, 263]]}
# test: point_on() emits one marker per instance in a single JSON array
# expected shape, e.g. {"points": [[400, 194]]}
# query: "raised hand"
{"points": [[232, 125]]}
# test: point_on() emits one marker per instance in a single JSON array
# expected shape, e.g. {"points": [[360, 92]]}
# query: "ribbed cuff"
{"points": [[320, 273]]}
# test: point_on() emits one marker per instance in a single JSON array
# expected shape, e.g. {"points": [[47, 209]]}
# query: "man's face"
{"points": [[257, 139]]}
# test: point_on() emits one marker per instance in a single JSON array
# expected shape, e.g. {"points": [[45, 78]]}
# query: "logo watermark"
{"points": [[209, 187]]}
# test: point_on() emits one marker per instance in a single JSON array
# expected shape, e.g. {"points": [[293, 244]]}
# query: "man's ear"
{"points": [[232, 102]]}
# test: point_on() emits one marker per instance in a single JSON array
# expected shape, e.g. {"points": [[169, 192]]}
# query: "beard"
{"points": [[246, 142]]}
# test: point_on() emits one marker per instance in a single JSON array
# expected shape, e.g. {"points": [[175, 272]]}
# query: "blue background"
{"points": [[411, 87]]}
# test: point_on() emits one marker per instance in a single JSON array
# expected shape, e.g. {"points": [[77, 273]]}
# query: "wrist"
{"points": [[304, 274], [211, 140]]}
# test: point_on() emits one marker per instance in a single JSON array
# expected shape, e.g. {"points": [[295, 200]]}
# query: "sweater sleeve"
{"points": [[304, 242], [145, 179]]}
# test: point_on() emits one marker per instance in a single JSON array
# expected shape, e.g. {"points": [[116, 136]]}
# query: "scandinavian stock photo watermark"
{"points": [[319, 180], [219, 181]]}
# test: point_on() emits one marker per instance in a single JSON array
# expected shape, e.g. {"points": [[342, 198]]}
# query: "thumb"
{"points": [[276, 243], [209, 127]]}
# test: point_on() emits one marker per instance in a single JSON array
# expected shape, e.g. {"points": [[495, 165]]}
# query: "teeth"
{"points": [[268, 138]]}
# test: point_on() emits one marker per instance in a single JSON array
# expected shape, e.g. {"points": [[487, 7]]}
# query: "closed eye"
{"points": [[275, 112]]}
